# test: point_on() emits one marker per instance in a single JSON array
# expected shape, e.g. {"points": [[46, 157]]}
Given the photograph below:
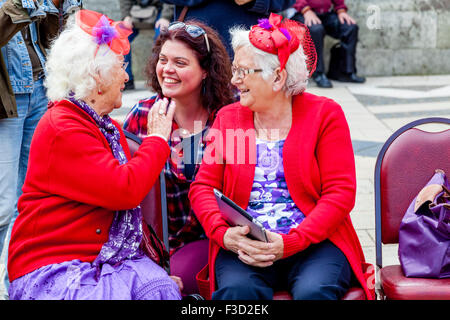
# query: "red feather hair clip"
{"points": [[283, 38]]}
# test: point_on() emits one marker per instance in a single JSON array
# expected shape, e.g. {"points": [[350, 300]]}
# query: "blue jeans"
{"points": [[127, 57], [15, 140], [321, 272]]}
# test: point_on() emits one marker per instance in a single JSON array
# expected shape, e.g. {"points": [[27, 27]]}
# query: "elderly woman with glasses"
{"points": [[79, 233], [285, 156], [190, 67]]}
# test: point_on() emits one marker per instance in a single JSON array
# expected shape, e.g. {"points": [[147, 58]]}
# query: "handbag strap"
{"points": [[183, 13], [446, 190], [161, 250], [444, 208]]}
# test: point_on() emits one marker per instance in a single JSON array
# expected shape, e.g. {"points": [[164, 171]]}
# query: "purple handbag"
{"points": [[424, 235]]}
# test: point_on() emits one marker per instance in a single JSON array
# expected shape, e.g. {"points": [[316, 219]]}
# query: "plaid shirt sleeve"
{"points": [[136, 120]]}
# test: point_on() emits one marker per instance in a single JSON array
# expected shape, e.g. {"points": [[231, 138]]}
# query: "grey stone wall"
{"points": [[397, 37], [402, 37]]}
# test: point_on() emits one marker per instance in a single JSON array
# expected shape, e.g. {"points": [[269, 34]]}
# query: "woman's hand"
{"points": [[160, 118], [261, 254], [252, 252], [311, 18], [277, 244], [178, 281], [128, 22], [162, 23], [233, 236], [344, 17]]}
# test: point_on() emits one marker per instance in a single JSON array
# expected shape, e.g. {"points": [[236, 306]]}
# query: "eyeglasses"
{"points": [[192, 30], [124, 65], [242, 72]]}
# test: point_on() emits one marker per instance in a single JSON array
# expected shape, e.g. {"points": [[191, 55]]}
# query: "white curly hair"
{"points": [[71, 65]]}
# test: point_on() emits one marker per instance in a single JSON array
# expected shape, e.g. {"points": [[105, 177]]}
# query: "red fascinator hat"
{"points": [[282, 38], [104, 30]]}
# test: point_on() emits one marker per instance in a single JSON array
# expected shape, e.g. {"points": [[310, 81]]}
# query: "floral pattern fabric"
{"points": [[270, 202]]}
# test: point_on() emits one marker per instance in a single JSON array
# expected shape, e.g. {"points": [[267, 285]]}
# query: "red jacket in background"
{"points": [[320, 6], [73, 187], [319, 168]]}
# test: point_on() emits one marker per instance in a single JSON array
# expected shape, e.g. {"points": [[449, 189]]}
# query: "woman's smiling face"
{"points": [[255, 92], [178, 70]]}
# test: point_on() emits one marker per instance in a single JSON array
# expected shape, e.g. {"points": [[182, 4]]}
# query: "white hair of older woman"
{"points": [[71, 65], [297, 72]]}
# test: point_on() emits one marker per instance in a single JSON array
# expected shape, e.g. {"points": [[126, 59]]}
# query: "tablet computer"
{"points": [[236, 216]]}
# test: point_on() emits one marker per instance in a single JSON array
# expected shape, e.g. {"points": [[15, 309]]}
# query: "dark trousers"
{"points": [[127, 57], [321, 272], [346, 33]]}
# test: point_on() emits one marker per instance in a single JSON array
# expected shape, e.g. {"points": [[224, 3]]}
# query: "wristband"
{"points": [[305, 9]]}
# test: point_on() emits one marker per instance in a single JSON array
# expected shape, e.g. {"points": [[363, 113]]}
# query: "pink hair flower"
{"points": [[103, 32], [265, 24]]}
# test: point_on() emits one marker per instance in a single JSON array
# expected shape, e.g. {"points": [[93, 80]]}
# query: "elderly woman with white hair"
{"points": [[285, 156], [79, 233]]}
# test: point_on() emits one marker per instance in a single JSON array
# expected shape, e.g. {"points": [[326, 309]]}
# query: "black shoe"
{"points": [[321, 80], [349, 77], [193, 297], [129, 85]]}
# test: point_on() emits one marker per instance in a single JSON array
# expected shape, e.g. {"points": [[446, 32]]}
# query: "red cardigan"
{"points": [[73, 187], [319, 168]]}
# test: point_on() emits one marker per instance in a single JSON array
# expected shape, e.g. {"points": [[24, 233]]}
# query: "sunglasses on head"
{"points": [[192, 30]]}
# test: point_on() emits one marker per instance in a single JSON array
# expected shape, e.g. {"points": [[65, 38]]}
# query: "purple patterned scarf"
{"points": [[125, 233]]}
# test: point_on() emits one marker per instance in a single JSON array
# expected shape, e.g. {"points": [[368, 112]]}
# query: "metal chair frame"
{"points": [[377, 175], [162, 187]]}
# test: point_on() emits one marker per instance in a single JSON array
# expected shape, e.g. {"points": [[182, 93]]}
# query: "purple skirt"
{"points": [[136, 279]]}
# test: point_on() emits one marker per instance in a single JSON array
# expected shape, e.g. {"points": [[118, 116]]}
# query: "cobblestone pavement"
{"points": [[374, 110]]}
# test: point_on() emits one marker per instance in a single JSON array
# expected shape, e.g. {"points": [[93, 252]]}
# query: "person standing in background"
{"points": [[330, 17], [143, 14], [221, 15]]}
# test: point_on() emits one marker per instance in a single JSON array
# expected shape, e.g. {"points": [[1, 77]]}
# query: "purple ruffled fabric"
{"points": [[103, 32], [136, 279], [286, 33], [265, 24]]}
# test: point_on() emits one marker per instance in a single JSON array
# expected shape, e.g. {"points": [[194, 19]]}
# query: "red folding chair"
{"points": [[404, 165]]}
